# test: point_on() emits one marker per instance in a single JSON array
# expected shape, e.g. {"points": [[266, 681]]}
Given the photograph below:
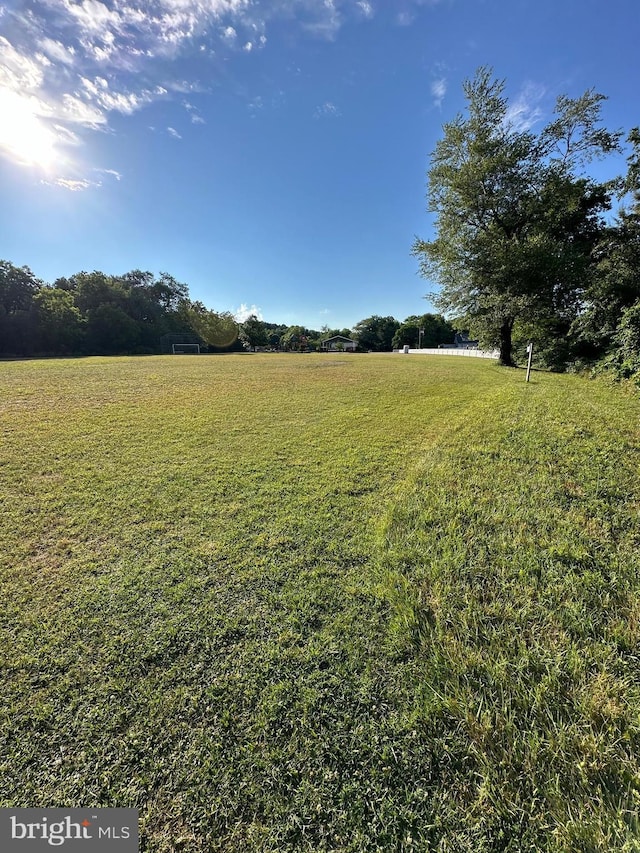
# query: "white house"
{"points": [[338, 343]]}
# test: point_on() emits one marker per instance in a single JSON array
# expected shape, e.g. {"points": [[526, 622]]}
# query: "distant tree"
{"points": [[111, 331], [326, 333], [218, 330], [436, 331], [18, 287], [164, 291], [94, 289], [153, 304], [625, 358], [615, 280], [253, 333], [376, 333], [516, 218], [89, 312], [295, 338], [407, 334], [60, 325]]}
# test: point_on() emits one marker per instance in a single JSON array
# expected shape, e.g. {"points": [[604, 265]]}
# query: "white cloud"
{"points": [[404, 18], [173, 132], [183, 87], [245, 311], [57, 51], [111, 172], [193, 113], [79, 183], [322, 19], [18, 71], [93, 16], [124, 102], [366, 8], [98, 91], [326, 110], [95, 87], [80, 112], [73, 63], [256, 104], [525, 110], [439, 90], [67, 136], [73, 185]]}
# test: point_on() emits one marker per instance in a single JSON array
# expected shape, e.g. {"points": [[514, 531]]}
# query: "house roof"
{"points": [[339, 338]]}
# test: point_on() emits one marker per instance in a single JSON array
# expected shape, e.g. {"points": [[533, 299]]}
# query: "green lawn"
{"points": [[323, 603]]}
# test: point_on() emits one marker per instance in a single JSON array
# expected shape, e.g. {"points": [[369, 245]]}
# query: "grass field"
{"points": [[322, 603]]}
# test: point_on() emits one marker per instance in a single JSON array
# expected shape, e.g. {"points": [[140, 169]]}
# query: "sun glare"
{"points": [[24, 135]]}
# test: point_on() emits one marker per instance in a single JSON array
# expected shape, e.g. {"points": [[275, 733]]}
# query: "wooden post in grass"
{"points": [[530, 351]]}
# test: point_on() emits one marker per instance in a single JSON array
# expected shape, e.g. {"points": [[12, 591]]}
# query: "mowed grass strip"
{"points": [[322, 602]]}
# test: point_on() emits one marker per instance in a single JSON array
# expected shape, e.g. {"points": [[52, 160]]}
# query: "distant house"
{"points": [[461, 341], [338, 343]]}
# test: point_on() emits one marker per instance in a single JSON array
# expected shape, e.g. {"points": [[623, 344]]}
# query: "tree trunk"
{"points": [[505, 343]]}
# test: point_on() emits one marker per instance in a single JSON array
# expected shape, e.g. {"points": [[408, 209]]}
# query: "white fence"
{"points": [[470, 353]]}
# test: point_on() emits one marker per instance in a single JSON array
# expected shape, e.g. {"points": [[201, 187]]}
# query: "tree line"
{"points": [[527, 245], [93, 313]]}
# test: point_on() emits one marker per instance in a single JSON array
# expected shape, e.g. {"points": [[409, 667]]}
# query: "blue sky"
{"points": [[271, 155]]}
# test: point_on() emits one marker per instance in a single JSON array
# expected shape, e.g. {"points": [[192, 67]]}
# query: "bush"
{"points": [[625, 358]]}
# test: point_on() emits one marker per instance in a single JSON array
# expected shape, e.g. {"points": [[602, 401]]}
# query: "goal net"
{"points": [[183, 349]]}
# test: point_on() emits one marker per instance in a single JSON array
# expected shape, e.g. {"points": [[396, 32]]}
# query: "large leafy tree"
{"points": [[295, 338], [615, 284], [253, 333], [60, 325], [435, 331], [376, 333], [516, 217], [218, 330], [18, 287]]}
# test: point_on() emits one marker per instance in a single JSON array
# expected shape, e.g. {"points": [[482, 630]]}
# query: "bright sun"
{"points": [[23, 134]]}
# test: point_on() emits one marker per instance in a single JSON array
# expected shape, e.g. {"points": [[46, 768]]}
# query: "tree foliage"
{"points": [[253, 333], [436, 331], [18, 321], [376, 333], [615, 282], [296, 338], [218, 330], [516, 218], [61, 326], [611, 320], [88, 313]]}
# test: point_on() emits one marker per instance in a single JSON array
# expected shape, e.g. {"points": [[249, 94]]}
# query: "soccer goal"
{"points": [[184, 349]]}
